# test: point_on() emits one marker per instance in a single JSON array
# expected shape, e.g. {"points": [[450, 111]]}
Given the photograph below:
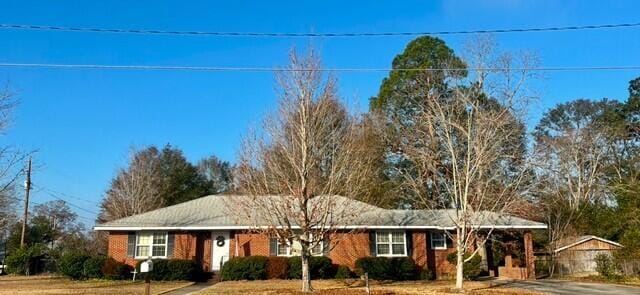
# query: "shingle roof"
{"points": [[214, 212]]}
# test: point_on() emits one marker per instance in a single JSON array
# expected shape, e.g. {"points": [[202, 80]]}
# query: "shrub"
{"points": [[245, 268], [377, 268], [606, 266], [115, 270], [343, 272], [320, 267], [23, 260], [277, 267], [383, 268], [92, 267], [172, 270], [471, 268], [72, 265], [426, 274]]}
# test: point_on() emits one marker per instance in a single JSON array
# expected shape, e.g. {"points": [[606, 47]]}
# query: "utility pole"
{"points": [[27, 188]]}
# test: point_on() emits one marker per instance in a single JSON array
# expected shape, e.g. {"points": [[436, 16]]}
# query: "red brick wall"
{"points": [[248, 244], [117, 247], [419, 251], [187, 245], [437, 259], [348, 247]]}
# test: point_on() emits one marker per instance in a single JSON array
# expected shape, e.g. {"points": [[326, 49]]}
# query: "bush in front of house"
{"points": [[320, 267], [471, 268], [92, 267], [385, 268], [277, 267], [23, 260], [115, 270], [245, 268], [72, 265], [172, 270], [343, 272]]}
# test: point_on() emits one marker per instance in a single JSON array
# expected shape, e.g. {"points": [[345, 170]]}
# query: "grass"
{"points": [[40, 285], [331, 287]]}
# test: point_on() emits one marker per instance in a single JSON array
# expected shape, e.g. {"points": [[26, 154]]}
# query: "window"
{"points": [[438, 240], [391, 243], [152, 244], [286, 250]]}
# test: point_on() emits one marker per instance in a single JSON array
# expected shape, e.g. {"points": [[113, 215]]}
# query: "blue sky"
{"points": [[83, 122]]}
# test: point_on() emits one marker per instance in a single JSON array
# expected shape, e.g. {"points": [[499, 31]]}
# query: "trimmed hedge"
{"points": [[115, 270], [245, 268], [72, 265], [172, 270], [384, 268], [320, 267], [277, 268], [471, 268], [261, 267]]}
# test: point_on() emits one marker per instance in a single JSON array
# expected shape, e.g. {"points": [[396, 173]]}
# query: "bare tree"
{"points": [[467, 144], [134, 190], [571, 154], [306, 153], [11, 161]]}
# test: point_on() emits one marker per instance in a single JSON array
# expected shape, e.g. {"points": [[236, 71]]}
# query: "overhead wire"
{"points": [[309, 34], [277, 69]]}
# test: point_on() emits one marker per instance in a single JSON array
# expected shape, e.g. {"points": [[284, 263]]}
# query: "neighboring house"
{"points": [[577, 255], [206, 231]]}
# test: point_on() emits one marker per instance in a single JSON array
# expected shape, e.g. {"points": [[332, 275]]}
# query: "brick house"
{"points": [[204, 230]]}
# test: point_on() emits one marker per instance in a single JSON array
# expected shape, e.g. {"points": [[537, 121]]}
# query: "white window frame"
{"points": [[443, 239], [390, 243], [151, 245], [289, 254]]}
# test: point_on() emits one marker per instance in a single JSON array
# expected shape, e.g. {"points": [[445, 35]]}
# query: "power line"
{"points": [[275, 69], [73, 205], [66, 195], [295, 35]]}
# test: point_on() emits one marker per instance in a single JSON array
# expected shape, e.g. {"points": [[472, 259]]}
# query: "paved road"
{"points": [[571, 288]]}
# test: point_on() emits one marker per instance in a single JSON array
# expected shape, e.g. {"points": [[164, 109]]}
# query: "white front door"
{"points": [[220, 250]]}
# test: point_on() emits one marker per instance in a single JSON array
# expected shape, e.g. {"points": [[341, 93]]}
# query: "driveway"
{"points": [[571, 288]]}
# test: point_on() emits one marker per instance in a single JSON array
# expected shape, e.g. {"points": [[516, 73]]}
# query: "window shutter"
{"points": [[131, 244], [409, 242], [326, 245], [170, 242], [449, 240], [372, 243], [273, 247]]}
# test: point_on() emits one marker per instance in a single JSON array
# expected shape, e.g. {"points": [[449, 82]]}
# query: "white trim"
{"points": [[587, 239], [240, 227], [444, 237], [166, 245]]}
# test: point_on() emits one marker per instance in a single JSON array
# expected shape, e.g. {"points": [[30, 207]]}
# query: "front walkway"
{"points": [[570, 288], [191, 289]]}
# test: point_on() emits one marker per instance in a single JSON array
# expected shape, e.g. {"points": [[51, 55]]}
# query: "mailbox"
{"points": [[146, 266]]}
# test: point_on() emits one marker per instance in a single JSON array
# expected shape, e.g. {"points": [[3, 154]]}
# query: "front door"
{"points": [[220, 249]]}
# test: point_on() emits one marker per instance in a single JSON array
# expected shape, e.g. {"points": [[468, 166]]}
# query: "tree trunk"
{"points": [[306, 276], [460, 268]]}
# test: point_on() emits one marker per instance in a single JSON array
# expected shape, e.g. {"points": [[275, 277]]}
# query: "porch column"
{"points": [[530, 260]]}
